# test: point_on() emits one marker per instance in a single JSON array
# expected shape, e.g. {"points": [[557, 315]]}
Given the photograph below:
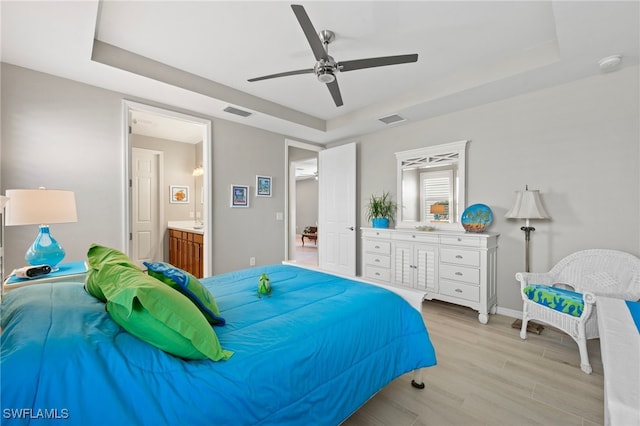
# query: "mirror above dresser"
{"points": [[432, 186]]}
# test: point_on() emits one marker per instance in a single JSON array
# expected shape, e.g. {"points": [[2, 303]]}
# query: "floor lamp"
{"points": [[527, 206]]}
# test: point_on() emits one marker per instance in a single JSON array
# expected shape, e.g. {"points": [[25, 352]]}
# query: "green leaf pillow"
{"points": [[97, 257], [189, 285], [157, 314]]}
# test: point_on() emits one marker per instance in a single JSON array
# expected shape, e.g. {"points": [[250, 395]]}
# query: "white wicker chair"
{"points": [[594, 273]]}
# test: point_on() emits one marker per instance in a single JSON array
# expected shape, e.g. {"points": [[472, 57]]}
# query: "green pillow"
{"points": [[97, 257], [157, 314], [189, 285]]}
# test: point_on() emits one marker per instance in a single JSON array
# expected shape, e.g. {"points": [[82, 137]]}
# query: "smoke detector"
{"points": [[610, 63]]}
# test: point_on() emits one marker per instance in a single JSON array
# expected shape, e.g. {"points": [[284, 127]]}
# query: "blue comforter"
{"points": [[312, 353]]}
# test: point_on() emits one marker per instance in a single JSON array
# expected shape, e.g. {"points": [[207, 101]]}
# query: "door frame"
{"points": [[289, 188], [207, 150]]}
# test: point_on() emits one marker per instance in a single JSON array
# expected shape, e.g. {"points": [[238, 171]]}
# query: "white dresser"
{"points": [[455, 267]]}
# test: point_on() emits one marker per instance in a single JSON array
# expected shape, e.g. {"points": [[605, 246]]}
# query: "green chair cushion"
{"points": [[565, 301]]}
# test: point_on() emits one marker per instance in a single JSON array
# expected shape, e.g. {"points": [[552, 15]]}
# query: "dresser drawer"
{"points": [[418, 237], [377, 246], [460, 240], [460, 273], [376, 233], [460, 290], [460, 257], [375, 259], [380, 274]]}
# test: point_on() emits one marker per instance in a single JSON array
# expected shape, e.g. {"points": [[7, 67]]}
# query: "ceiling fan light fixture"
{"points": [[326, 76]]}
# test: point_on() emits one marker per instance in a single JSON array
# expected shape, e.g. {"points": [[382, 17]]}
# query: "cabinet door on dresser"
{"points": [[426, 273], [403, 264], [415, 265]]}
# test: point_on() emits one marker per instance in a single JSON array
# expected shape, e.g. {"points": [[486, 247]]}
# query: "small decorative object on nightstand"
{"points": [[67, 272]]}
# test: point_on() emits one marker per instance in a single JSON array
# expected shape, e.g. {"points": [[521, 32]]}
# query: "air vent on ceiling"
{"points": [[237, 111], [392, 119]]}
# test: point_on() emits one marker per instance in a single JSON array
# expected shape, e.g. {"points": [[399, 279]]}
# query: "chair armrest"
{"points": [[589, 304], [527, 278]]}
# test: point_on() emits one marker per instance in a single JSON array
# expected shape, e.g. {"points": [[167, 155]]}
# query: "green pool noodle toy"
{"points": [[264, 285]]}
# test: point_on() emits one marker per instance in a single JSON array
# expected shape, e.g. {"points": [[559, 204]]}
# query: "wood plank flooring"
{"points": [[487, 375]]}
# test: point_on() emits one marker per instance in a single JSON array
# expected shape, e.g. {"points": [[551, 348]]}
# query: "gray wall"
{"points": [[67, 135], [577, 143]]}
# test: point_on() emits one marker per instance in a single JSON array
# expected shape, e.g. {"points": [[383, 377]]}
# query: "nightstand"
{"points": [[67, 272]]}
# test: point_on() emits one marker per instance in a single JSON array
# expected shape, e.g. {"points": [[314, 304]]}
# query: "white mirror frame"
{"points": [[455, 152]]}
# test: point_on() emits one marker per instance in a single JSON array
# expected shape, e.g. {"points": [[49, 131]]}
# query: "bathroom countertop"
{"points": [[186, 225]]}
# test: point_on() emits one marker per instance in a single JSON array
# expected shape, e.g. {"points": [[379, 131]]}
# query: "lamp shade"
{"points": [[40, 206], [527, 205]]}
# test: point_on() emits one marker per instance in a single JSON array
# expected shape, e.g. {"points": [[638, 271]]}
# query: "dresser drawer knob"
{"points": [[458, 256], [377, 247], [377, 260], [413, 236], [459, 274], [458, 290], [459, 239], [378, 273]]}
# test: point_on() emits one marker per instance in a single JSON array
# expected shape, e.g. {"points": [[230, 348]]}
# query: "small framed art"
{"points": [[239, 196], [179, 194], [263, 186]]}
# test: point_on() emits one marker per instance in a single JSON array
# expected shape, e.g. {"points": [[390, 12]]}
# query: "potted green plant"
{"points": [[381, 210]]}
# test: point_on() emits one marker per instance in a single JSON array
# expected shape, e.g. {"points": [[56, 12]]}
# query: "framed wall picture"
{"points": [[263, 186], [178, 194], [239, 196]]}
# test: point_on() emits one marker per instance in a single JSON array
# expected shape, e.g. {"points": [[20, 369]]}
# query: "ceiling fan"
{"points": [[326, 67]]}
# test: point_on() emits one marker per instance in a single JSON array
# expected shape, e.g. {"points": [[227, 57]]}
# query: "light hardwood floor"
{"points": [[306, 255], [487, 375]]}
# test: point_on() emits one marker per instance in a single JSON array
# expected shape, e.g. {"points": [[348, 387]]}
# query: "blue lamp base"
{"points": [[45, 250]]}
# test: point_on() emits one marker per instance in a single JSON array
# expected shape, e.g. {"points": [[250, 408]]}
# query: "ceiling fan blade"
{"points": [[376, 62], [282, 74], [310, 32], [335, 92]]}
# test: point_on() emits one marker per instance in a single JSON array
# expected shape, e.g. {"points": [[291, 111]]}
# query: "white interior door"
{"points": [[145, 200], [337, 209]]}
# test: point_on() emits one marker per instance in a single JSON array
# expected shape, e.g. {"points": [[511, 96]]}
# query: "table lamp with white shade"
{"points": [[41, 207]]}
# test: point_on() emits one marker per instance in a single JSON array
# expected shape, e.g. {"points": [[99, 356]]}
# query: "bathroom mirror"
{"points": [[432, 186]]}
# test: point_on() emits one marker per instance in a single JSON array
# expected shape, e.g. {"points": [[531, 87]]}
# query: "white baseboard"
{"points": [[510, 312]]}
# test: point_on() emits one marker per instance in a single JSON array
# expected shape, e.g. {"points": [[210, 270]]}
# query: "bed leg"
{"points": [[417, 379]]}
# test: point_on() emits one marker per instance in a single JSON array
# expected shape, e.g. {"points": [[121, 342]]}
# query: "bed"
{"points": [[311, 352], [619, 327]]}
